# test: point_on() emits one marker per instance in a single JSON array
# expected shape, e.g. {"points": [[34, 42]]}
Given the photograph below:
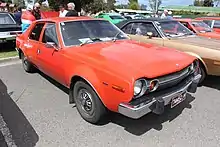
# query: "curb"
{"points": [[4, 60]]}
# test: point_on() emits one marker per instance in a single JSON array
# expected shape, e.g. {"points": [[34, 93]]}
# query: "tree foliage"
{"points": [[134, 5], [208, 3], [198, 3]]}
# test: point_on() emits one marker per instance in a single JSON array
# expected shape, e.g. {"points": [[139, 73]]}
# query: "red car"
{"points": [[200, 28], [104, 69], [213, 22]]}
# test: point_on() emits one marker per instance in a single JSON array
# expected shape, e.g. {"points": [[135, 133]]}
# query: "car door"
{"points": [[32, 43], [138, 31], [51, 57]]}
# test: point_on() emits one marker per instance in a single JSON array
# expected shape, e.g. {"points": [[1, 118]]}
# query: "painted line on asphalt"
{"points": [[6, 133], [10, 63]]}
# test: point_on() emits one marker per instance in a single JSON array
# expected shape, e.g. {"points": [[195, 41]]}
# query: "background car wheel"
{"points": [[88, 103], [203, 73], [28, 67]]}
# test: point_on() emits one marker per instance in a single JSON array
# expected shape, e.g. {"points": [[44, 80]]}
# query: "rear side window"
{"points": [[217, 24], [35, 33], [6, 19]]}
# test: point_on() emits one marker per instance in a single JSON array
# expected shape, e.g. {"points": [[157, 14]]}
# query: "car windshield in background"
{"points": [[201, 26], [79, 32], [6, 19], [174, 29], [116, 17]]}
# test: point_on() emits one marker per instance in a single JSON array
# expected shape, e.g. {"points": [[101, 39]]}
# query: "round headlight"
{"points": [[138, 85]]}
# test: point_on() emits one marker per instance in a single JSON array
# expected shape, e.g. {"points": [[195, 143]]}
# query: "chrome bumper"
{"points": [[156, 103]]}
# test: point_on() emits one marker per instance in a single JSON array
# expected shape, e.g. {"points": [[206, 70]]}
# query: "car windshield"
{"points": [[116, 17], [201, 26], [89, 31], [174, 29], [6, 19]]}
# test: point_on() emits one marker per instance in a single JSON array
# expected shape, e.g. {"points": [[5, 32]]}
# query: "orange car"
{"points": [[213, 22], [104, 69], [200, 28]]}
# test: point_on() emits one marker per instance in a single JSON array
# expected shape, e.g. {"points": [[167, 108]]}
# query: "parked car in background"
{"points": [[171, 33], [112, 17], [8, 28], [213, 22], [92, 57], [135, 16], [200, 28]]}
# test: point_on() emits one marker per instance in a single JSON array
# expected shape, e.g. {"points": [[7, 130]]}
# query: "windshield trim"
{"points": [[11, 18], [67, 46]]}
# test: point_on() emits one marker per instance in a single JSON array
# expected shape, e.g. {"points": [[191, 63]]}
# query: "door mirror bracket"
{"points": [[52, 45]]}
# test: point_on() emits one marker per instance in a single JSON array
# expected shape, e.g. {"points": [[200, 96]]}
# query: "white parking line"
{"points": [[6, 133], [10, 63]]}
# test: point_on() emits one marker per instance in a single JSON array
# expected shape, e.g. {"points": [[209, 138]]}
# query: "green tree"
{"points": [[133, 5], [208, 3], [198, 3]]}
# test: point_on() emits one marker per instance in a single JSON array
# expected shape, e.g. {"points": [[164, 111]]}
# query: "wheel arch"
{"points": [[89, 77]]}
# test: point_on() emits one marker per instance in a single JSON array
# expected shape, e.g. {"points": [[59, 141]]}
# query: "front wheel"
{"points": [[88, 103], [201, 71], [28, 67]]}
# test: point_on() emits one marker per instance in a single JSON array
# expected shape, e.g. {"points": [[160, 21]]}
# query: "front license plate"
{"points": [[177, 100]]}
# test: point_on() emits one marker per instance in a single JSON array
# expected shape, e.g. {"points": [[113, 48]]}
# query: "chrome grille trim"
{"points": [[175, 76]]}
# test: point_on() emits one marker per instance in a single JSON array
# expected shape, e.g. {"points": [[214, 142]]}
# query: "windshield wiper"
{"points": [[91, 39]]}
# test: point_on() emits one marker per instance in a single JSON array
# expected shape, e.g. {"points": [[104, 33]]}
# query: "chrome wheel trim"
{"points": [[85, 101]]}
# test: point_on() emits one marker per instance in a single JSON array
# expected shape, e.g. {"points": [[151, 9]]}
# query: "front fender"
{"points": [[92, 79], [197, 56]]}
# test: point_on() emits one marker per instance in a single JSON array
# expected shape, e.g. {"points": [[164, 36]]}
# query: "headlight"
{"points": [[194, 66], [140, 87]]}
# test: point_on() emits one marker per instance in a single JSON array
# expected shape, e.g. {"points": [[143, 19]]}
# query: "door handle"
{"points": [[38, 51]]}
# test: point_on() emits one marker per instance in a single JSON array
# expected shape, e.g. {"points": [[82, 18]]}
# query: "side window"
{"points": [[217, 24], [188, 26], [127, 28], [35, 33], [50, 34], [144, 28], [208, 22]]}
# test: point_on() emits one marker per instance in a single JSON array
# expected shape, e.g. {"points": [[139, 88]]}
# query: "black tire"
{"points": [[92, 110], [203, 74], [28, 67]]}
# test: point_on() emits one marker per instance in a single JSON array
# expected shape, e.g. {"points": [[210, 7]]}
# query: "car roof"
{"points": [[122, 23], [63, 19], [186, 19], [209, 18]]}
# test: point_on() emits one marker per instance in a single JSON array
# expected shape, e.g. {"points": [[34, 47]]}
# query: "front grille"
{"points": [[170, 80]]}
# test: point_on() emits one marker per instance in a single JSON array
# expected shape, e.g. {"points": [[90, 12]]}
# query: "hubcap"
{"points": [[85, 100]]}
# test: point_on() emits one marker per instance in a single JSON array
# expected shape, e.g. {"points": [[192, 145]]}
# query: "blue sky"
{"points": [[164, 2]]}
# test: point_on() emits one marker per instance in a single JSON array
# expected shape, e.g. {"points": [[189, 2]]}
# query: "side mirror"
{"points": [[150, 34], [52, 45]]}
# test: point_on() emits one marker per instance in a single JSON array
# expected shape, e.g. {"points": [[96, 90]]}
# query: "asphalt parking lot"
{"points": [[36, 111]]}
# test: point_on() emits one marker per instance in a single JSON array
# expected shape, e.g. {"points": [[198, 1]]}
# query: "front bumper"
{"points": [[156, 102]]}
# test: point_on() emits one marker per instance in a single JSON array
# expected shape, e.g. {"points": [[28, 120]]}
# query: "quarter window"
{"points": [[35, 33], [208, 22], [50, 34]]}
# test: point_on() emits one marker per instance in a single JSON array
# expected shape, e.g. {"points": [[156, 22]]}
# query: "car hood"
{"points": [[199, 41], [211, 35], [133, 58]]}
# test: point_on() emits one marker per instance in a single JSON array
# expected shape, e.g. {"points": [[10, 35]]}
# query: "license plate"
{"points": [[4, 33], [177, 100]]}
